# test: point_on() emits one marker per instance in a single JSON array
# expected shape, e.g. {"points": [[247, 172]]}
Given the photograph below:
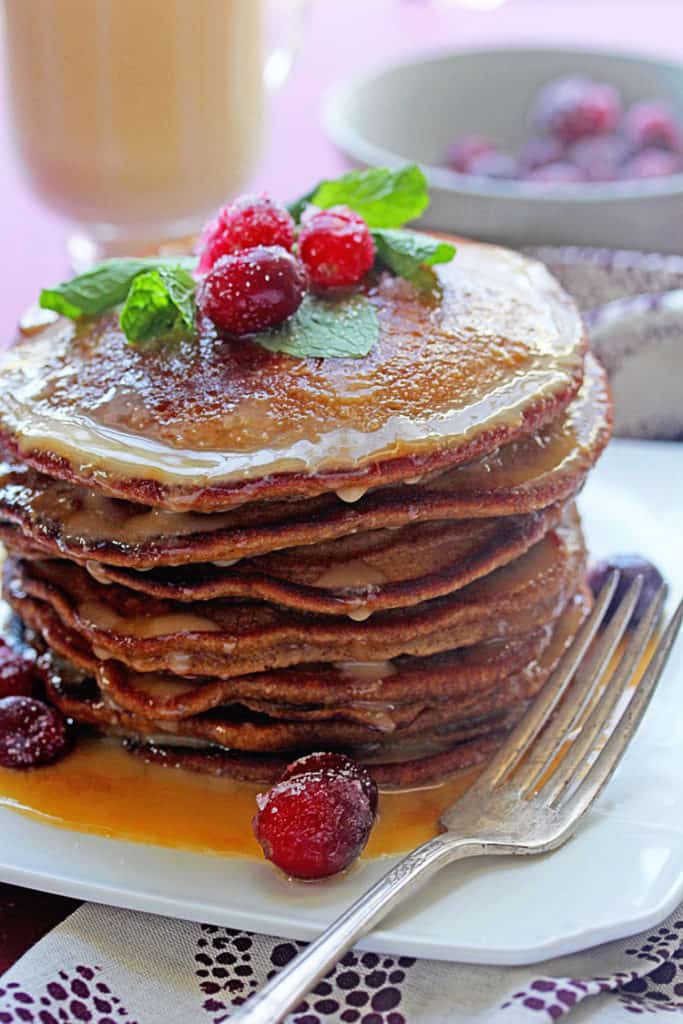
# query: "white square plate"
{"points": [[621, 874]]}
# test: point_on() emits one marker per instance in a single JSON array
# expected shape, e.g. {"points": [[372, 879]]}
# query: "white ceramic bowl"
{"points": [[412, 111]]}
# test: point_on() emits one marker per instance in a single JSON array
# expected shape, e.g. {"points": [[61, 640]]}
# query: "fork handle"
{"points": [[288, 988]]}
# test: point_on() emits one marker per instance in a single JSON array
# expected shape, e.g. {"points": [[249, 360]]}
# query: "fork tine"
{"points": [[526, 731], [574, 764], [580, 799], [585, 683]]}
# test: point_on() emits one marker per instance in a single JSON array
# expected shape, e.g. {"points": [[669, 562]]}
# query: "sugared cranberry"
{"points": [[540, 151], [629, 566], [336, 247], [598, 157], [559, 173], [17, 673], [652, 123], [249, 221], [652, 163], [572, 107], [494, 165], [314, 823], [31, 733], [252, 290], [339, 763], [464, 150]]}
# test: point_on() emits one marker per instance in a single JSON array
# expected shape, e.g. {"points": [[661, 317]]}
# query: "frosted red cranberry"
{"points": [[336, 247], [629, 567], [338, 763], [540, 151], [494, 165], [464, 150], [652, 123], [252, 290], [599, 157], [31, 733], [560, 173], [17, 673], [248, 221], [652, 163], [570, 108], [314, 823]]}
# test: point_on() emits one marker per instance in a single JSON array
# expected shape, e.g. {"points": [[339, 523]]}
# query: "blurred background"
{"points": [[340, 41]]}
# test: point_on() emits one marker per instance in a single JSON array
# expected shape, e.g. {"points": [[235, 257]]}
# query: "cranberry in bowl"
{"points": [[596, 156]]}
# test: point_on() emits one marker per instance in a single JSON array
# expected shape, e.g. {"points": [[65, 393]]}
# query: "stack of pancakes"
{"points": [[230, 556]]}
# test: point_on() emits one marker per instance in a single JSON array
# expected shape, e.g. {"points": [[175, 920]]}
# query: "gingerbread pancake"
{"points": [[429, 764], [356, 575], [225, 638], [58, 518], [491, 356], [433, 721]]}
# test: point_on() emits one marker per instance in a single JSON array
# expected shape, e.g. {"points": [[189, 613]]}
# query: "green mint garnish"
{"points": [[103, 287], [160, 305], [340, 328], [410, 254], [158, 294], [385, 197]]}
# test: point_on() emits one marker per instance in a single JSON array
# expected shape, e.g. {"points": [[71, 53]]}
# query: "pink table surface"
{"points": [[344, 37]]}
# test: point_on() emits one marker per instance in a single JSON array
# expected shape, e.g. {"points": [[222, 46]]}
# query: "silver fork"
{"points": [[533, 793]]}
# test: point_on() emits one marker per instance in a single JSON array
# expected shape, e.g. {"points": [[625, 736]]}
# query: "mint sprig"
{"points": [[158, 294], [160, 305], [104, 287], [411, 254], [385, 197], [340, 328]]}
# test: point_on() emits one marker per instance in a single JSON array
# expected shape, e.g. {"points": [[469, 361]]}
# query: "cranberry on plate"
{"points": [[31, 733], [316, 820], [336, 247], [252, 290], [339, 763], [629, 567], [243, 224]]}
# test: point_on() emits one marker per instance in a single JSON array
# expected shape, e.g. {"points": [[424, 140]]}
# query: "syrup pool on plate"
{"points": [[102, 789]]}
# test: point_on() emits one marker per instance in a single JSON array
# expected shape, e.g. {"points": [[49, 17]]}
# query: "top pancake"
{"points": [[72, 521], [210, 424]]}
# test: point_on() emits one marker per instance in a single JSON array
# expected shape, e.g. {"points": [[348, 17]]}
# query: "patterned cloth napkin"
{"points": [[105, 966], [109, 966]]}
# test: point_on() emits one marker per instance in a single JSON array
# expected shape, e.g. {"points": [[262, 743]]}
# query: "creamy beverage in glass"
{"points": [[135, 118]]}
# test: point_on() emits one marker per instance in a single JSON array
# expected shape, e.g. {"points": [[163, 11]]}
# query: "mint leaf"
{"points": [[103, 287], [384, 197], [408, 253], [160, 304], [342, 328]]}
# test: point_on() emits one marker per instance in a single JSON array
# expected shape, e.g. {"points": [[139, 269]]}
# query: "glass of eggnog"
{"points": [[135, 119]]}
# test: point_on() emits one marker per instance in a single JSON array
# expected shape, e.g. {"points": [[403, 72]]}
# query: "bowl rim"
{"points": [[361, 150]]}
